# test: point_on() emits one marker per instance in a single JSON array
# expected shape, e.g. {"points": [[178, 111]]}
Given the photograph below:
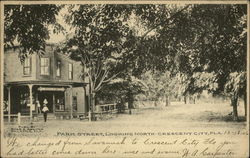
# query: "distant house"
{"points": [[52, 76]]}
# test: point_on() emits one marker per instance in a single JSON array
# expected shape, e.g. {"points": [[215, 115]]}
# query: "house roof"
{"points": [[46, 83]]}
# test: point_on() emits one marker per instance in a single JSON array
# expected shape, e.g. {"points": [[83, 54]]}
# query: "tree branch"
{"points": [[165, 21], [102, 79], [111, 78], [99, 72]]}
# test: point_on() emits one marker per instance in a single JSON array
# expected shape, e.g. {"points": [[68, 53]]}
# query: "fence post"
{"points": [[19, 118]]}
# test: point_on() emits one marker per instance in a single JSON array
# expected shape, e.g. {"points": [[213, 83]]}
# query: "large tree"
{"points": [[107, 44], [223, 48], [28, 26], [101, 36], [205, 38]]}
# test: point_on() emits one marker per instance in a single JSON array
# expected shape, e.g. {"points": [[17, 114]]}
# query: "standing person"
{"points": [[38, 107], [45, 101], [45, 109]]}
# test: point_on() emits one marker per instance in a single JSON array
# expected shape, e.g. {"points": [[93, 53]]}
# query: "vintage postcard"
{"points": [[125, 79]]}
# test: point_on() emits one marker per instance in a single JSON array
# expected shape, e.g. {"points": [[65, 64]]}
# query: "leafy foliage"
{"points": [[159, 84], [177, 50], [236, 83], [118, 89], [102, 35], [202, 38], [206, 43], [205, 81], [28, 26]]}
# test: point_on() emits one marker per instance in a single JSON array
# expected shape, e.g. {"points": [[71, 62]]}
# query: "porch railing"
{"points": [[18, 116]]}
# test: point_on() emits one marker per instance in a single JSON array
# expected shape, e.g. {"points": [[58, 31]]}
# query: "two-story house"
{"points": [[52, 76]]}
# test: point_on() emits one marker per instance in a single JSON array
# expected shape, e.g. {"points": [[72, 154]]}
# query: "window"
{"points": [[27, 66], [58, 68], [24, 99], [74, 100], [44, 66], [70, 71], [59, 101]]}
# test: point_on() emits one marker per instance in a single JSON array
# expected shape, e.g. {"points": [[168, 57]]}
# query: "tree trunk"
{"points": [[245, 104], [194, 98], [93, 102], [167, 101], [191, 99], [185, 99], [92, 107], [234, 101], [130, 101], [155, 103]]}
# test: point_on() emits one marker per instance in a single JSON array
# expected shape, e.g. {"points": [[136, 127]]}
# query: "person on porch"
{"points": [[38, 107], [45, 109]]}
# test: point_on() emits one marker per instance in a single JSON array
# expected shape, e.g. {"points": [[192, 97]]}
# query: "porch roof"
{"points": [[46, 83]]}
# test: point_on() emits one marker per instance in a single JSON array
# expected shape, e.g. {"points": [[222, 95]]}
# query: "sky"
{"points": [[55, 38]]}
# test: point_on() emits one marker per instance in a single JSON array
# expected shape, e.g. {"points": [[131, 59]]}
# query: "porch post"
{"points": [[71, 102], [36, 108], [31, 101], [9, 106], [54, 103]]}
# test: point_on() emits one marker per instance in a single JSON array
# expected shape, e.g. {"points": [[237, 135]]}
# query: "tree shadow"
{"points": [[229, 118], [211, 116]]}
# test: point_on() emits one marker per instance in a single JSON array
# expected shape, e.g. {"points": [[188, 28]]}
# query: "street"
{"points": [[176, 117]]}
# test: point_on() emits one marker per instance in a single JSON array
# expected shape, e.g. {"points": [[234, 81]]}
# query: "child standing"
{"points": [[45, 110]]}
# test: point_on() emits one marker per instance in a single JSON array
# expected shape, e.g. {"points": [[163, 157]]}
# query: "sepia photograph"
{"points": [[125, 79]]}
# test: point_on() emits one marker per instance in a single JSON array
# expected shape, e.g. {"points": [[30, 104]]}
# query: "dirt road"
{"points": [[177, 117]]}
